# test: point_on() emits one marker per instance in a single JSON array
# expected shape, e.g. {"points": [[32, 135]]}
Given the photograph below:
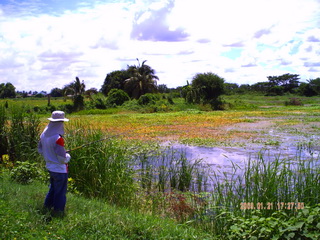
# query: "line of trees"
{"points": [[138, 80], [278, 85]]}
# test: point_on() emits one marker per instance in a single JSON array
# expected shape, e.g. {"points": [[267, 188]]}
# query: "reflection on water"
{"points": [[198, 168], [226, 162], [283, 146], [225, 156]]}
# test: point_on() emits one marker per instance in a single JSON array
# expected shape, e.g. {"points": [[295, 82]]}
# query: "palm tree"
{"points": [[143, 80], [78, 88], [74, 88]]}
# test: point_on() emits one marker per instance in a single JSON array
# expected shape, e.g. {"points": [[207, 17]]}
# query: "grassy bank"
{"points": [[146, 186], [21, 217]]}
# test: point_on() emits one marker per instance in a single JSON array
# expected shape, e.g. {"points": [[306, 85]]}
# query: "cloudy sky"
{"points": [[47, 43]]}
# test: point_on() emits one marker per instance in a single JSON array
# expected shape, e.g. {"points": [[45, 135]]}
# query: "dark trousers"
{"points": [[56, 197]]}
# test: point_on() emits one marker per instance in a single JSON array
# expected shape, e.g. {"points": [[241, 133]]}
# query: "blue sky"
{"points": [[47, 43]]}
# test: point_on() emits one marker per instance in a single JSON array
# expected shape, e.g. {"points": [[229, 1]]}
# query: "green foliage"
{"points": [[108, 111], [77, 89], [148, 99], [22, 134], [315, 85], [240, 104], [303, 225], [117, 97], [22, 217], [312, 88], [78, 102], [132, 105], [115, 79], [305, 89], [188, 94], [287, 82], [3, 130], [217, 104], [56, 92], [170, 99], [164, 169], [206, 89], [293, 102], [26, 172], [106, 173], [275, 91], [7, 90], [260, 87], [142, 80], [98, 101]]}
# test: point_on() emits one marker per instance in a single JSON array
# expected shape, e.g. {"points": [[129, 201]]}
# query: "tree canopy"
{"points": [[205, 88], [142, 80], [136, 80], [285, 83], [114, 80], [7, 90]]}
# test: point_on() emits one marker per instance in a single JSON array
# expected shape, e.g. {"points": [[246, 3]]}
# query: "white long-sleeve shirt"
{"points": [[51, 146]]}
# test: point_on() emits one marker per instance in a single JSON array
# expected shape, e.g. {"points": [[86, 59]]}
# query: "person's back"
{"points": [[51, 146]]}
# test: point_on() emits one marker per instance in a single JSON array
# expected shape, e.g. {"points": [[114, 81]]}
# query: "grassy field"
{"points": [[137, 194], [22, 217]]}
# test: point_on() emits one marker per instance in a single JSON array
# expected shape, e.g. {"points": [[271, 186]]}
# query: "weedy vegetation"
{"points": [[131, 187]]}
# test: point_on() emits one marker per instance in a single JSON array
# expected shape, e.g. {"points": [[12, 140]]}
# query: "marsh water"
{"points": [[270, 144], [268, 141], [290, 148]]}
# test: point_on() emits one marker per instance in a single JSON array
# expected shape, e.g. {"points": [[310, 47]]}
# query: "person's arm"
{"points": [[62, 155], [40, 147]]}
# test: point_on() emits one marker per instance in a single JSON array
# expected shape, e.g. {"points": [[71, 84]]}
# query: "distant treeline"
{"points": [[140, 79]]}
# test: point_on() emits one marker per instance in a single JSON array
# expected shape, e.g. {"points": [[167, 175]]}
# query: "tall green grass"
{"points": [[102, 169], [3, 125], [20, 129], [265, 186], [123, 171]]}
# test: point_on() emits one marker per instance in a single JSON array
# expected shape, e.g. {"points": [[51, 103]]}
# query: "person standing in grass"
{"points": [[51, 147]]}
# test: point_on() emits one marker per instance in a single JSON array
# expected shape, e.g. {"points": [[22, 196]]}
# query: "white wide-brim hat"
{"points": [[58, 116]]}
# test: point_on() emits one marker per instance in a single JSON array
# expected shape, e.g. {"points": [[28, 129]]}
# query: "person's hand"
{"points": [[68, 157]]}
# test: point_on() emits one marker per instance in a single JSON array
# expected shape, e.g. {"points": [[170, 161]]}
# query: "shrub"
{"points": [[98, 101], [117, 97], [275, 91], [132, 105], [217, 104], [293, 102], [25, 172], [68, 108], [305, 225], [148, 98], [170, 99]]}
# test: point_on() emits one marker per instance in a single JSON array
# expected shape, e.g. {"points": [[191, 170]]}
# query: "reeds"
{"points": [[267, 186], [20, 129], [102, 169], [3, 125]]}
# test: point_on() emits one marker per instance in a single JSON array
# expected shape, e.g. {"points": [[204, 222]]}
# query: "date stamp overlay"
{"points": [[272, 205]]}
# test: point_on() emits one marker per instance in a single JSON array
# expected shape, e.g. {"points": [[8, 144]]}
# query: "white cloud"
{"points": [[178, 38]]}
